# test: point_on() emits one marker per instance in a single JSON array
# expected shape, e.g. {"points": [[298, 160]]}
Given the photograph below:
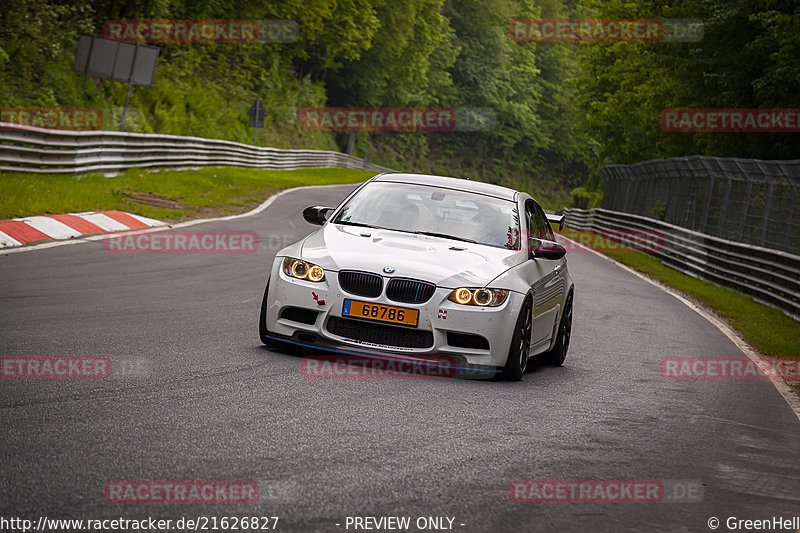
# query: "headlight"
{"points": [[461, 296], [481, 297], [297, 268]]}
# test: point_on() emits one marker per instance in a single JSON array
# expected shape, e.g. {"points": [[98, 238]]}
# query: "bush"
{"points": [[659, 210], [583, 199]]}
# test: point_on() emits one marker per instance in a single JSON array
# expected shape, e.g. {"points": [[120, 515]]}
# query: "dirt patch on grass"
{"points": [[237, 206], [154, 200]]}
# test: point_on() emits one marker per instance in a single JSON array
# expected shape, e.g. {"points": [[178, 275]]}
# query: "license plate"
{"points": [[380, 312]]}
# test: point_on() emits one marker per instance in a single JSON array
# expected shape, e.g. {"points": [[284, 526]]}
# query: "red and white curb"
{"points": [[19, 231], [157, 225]]}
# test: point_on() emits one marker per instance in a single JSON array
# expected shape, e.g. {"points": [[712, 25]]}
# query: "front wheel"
{"points": [[556, 356], [520, 348]]}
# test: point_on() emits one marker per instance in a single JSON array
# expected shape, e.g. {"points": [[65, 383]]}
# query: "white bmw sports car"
{"points": [[422, 267]]}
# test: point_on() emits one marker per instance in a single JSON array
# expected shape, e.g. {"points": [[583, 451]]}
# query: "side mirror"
{"points": [[316, 214], [556, 219], [546, 249]]}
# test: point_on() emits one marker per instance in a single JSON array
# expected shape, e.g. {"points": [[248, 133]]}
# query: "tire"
{"points": [[558, 354], [520, 349]]}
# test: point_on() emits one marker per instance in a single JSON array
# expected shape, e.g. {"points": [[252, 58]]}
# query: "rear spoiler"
{"points": [[553, 218]]}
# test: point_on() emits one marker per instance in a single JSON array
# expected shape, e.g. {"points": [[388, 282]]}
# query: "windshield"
{"points": [[427, 210]]}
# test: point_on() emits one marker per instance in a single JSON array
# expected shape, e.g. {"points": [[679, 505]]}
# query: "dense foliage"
{"points": [[749, 57], [562, 109]]}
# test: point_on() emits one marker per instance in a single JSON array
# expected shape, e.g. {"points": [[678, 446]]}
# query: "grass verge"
{"points": [[767, 329], [171, 195]]}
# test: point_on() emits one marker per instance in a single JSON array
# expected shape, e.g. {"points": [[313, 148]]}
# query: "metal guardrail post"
{"points": [[789, 217], [724, 210], [765, 214], [743, 220], [707, 206]]}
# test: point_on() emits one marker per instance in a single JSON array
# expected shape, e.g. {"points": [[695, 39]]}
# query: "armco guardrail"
{"points": [[770, 276], [29, 149]]}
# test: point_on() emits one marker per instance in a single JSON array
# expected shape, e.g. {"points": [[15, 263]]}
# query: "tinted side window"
{"points": [[532, 228], [548, 231], [537, 222]]}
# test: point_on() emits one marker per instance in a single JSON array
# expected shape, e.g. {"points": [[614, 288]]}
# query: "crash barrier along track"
{"points": [[29, 149], [770, 276]]}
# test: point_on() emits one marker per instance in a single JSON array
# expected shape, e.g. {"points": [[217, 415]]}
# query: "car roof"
{"points": [[479, 187]]}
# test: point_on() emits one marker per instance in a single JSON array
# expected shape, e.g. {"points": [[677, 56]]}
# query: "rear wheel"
{"points": [[520, 348], [556, 356]]}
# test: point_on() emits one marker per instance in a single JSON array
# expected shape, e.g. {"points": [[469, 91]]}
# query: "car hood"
{"points": [[445, 262]]}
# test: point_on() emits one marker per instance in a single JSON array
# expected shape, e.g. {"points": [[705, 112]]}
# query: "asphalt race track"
{"points": [[213, 404]]}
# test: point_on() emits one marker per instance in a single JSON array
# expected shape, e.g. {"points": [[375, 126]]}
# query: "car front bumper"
{"points": [[310, 314]]}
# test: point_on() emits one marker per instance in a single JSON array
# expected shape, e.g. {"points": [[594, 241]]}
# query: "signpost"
{"points": [[131, 63], [256, 114]]}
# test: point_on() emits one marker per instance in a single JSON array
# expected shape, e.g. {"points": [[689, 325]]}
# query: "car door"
{"points": [[548, 285]]}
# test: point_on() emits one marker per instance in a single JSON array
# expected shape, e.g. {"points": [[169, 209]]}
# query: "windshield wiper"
{"points": [[359, 224], [444, 236], [429, 233]]}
